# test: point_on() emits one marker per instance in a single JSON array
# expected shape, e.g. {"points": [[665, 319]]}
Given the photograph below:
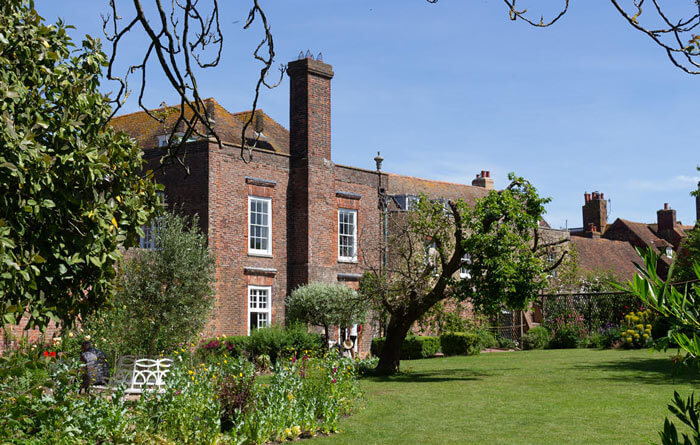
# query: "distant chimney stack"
{"points": [[595, 211], [484, 180], [666, 223]]}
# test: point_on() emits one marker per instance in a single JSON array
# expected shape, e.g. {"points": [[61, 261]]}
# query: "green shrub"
{"points": [[506, 343], [215, 347], [460, 343], [486, 338], [414, 346], [536, 338], [274, 341], [568, 331]]}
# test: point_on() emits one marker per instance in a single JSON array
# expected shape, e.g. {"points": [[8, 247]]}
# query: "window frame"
{"points": [[341, 258], [148, 241], [251, 250], [267, 310]]}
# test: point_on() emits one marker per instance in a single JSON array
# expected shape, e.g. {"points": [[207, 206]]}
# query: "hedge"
{"points": [[414, 346], [272, 341], [460, 343]]}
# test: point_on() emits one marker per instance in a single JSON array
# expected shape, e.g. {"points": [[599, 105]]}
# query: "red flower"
{"points": [[46, 353], [52, 353]]}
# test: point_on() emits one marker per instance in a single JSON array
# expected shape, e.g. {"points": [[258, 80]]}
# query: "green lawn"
{"points": [[536, 397]]}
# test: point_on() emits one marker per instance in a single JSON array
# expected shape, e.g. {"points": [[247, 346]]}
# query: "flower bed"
{"points": [[215, 402]]}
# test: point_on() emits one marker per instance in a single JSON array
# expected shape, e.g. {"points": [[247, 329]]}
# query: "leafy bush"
{"points": [[460, 343], [608, 336], [688, 412], [506, 343], [414, 346], [536, 338], [216, 347], [568, 331], [486, 338], [164, 296], [275, 341], [638, 332]]}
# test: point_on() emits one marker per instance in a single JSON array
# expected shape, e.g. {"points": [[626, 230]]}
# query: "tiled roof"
{"points": [[601, 255], [645, 234], [409, 185], [228, 126]]}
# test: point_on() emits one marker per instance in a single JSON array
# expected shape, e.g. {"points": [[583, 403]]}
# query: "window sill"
{"points": [[260, 254], [348, 260]]}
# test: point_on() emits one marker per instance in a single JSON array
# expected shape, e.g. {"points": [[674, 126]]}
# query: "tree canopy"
{"points": [[325, 305], [73, 192], [495, 241]]}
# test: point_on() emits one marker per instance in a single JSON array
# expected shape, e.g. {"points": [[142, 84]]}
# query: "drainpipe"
{"points": [[383, 223]]}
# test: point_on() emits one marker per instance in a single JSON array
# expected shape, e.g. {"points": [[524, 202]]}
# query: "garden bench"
{"points": [[138, 375]]}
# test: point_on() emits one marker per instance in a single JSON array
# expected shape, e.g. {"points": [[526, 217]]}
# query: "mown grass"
{"points": [[535, 397]]}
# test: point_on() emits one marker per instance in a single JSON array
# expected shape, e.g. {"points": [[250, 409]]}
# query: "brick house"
{"points": [[288, 215], [602, 246]]}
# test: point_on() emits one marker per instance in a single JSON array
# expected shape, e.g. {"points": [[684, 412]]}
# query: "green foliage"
{"points": [[414, 346], [39, 403], [72, 191], [325, 305], [486, 338], [536, 338], [688, 412], [216, 348], [459, 343], [504, 268], [679, 305], [276, 341], [165, 295], [688, 255], [638, 329], [568, 331]]}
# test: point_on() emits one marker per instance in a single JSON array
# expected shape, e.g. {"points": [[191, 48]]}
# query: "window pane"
{"points": [[259, 229]]}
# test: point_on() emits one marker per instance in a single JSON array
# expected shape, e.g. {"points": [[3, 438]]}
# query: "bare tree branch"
{"points": [[180, 38]]}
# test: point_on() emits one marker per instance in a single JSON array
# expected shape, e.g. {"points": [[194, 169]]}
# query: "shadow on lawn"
{"points": [[653, 371], [442, 375]]}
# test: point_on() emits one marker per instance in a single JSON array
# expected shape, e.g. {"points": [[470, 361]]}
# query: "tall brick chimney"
{"points": [[311, 246], [595, 211], [310, 109], [666, 222], [483, 180]]}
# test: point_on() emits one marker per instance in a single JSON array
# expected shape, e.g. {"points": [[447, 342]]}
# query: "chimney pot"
{"points": [[665, 206], [483, 173], [488, 174], [602, 196]]}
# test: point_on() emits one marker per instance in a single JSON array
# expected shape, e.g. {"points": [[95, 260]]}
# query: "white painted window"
{"points": [[347, 235], [259, 314], [148, 240], [464, 270], [259, 225]]}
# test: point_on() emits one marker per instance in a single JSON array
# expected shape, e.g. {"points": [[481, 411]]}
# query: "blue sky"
{"points": [[450, 89]]}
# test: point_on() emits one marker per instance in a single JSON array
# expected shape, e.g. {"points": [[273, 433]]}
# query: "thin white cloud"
{"points": [[678, 182]]}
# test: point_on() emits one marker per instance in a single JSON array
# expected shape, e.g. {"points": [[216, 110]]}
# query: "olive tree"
{"points": [[165, 295], [72, 190], [326, 305]]}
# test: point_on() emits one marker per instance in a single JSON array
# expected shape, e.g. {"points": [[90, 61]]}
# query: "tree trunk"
{"points": [[390, 357]]}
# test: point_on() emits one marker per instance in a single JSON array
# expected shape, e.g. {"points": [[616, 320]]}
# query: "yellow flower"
{"points": [[296, 430], [240, 375], [645, 336], [290, 396], [649, 326], [288, 432], [175, 352]]}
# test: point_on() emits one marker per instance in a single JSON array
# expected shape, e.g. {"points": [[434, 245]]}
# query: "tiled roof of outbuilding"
{"points": [[601, 255]]}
